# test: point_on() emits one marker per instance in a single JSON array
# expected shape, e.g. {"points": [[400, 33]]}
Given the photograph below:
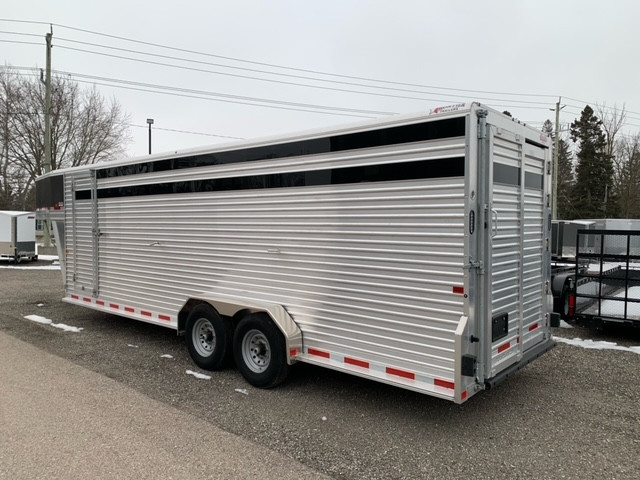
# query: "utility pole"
{"points": [[48, 166], [47, 108], [554, 199]]}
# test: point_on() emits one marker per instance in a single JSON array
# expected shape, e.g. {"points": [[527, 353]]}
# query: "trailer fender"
{"points": [[558, 282], [232, 306]]}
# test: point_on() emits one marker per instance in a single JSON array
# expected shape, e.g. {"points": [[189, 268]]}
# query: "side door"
{"points": [[506, 240], [82, 233]]}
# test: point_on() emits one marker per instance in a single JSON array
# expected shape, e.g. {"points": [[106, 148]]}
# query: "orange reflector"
{"points": [[443, 383], [401, 373], [357, 363], [319, 353]]}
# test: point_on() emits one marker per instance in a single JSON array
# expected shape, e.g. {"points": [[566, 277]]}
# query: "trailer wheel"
{"points": [[208, 338], [259, 351]]}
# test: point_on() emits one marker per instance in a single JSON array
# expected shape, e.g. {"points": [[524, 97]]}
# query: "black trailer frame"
{"points": [[608, 291]]}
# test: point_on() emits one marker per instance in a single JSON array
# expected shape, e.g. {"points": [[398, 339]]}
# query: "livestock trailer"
{"points": [[18, 235], [413, 250]]}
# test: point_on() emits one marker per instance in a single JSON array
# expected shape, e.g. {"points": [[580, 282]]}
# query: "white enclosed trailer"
{"points": [[18, 235], [412, 250]]}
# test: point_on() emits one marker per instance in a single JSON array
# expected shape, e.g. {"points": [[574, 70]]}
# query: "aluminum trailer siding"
{"points": [[413, 250]]}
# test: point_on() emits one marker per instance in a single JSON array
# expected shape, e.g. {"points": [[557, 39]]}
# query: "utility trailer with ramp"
{"points": [[412, 250]]}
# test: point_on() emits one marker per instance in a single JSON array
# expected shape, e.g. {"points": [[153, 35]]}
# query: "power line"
{"points": [[183, 131], [271, 65], [203, 95], [293, 68]]}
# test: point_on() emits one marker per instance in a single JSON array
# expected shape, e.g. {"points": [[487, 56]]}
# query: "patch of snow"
{"points": [[38, 319], [67, 328], [26, 267], [166, 355], [324, 419], [47, 321], [132, 346], [243, 391], [201, 376], [564, 324], [40, 305], [596, 345]]}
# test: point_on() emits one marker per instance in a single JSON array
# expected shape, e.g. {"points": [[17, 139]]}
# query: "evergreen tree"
{"points": [[592, 196], [566, 182]]}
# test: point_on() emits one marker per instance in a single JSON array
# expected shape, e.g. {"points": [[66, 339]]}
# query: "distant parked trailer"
{"points": [[18, 235], [412, 250]]}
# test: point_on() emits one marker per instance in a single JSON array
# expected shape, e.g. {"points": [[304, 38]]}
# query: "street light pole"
{"points": [[150, 122]]}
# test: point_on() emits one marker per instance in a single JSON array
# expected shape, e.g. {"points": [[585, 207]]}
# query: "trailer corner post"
{"points": [[484, 246]]}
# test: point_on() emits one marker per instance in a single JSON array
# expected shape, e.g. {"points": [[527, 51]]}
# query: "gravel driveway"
{"points": [[571, 414]]}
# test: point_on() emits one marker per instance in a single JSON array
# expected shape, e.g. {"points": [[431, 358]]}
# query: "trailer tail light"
{"points": [[572, 305]]}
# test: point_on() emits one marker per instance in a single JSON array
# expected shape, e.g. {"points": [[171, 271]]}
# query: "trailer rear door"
{"points": [[515, 245]]}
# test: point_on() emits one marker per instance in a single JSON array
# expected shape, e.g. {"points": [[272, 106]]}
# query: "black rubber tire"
{"points": [[259, 349], [208, 338]]}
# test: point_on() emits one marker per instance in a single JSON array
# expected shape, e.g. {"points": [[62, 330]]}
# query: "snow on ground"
{"points": [[201, 376], [596, 345], [46, 321], [28, 265]]}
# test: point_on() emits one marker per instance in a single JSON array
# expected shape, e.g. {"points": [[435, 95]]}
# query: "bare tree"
{"points": [[85, 129], [612, 122], [627, 173]]}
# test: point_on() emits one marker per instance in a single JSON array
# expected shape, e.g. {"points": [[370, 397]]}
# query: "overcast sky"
{"points": [[330, 62]]}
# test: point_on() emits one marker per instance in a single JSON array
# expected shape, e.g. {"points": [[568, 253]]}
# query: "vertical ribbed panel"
{"points": [[78, 236], [533, 269], [506, 261]]}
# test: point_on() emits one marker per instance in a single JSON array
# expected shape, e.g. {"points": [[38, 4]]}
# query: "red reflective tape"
{"points": [[114, 306], [444, 384], [357, 363], [458, 290], [464, 395], [533, 327], [504, 347], [129, 309], [319, 353], [87, 299], [401, 373], [100, 302], [75, 297], [146, 314], [164, 317], [293, 352]]}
